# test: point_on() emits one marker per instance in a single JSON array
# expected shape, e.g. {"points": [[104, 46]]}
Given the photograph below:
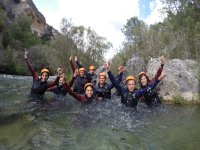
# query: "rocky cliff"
{"points": [[181, 82], [14, 8]]}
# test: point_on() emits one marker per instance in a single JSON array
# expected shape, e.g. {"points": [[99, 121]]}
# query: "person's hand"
{"points": [[162, 76], [120, 69], [75, 73], [62, 78], [107, 66], [26, 54], [75, 58], [109, 62], [70, 58], [59, 71], [162, 60]]}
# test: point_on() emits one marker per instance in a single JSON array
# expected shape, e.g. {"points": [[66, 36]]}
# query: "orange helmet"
{"points": [[88, 84], [130, 78], [102, 74], [81, 69], [45, 70], [141, 73], [92, 68]]}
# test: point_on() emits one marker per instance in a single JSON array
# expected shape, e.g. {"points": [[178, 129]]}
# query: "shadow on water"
{"points": [[64, 123]]}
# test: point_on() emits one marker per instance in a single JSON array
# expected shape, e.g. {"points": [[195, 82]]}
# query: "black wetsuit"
{"points": [[38, 88], [79, 84], [130, 99], [103, 92], [150, 98], [92, 78]]}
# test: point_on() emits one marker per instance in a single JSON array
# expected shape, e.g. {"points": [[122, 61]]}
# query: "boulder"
{"points": [[182, 81], [135, 65]]}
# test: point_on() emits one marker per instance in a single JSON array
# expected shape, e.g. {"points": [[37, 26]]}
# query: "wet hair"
{"points": [[140, 77]]}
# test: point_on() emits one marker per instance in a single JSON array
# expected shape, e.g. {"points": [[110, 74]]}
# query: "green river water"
{"points": [[98, 126]]}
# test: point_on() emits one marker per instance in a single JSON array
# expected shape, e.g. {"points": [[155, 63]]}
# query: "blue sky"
{"points": [[144, 6], [106, 17]]}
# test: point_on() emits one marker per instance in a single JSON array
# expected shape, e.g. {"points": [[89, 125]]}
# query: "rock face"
{"points": [[181, 80], [14, 8], [135, 65]]}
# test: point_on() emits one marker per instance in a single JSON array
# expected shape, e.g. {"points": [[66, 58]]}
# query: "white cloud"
{"points": [[106, 17], [155, 15], [152, 5]]}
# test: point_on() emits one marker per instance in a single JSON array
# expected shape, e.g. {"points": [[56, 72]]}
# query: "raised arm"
{"points": [[34, 75], [77, 62], [152, 86], [115, 84], [49, 85], [72, 64], [159, 71], [52, 88], [73, 78], [78, 97], [118, 78]]}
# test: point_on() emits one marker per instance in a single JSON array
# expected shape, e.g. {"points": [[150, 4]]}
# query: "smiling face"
{"points": [[44, 77], [131, 85], [102, 80], [89, 91], [143, 80]]}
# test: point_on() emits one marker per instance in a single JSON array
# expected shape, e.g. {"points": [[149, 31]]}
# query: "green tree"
{"points": [[19, 35]]}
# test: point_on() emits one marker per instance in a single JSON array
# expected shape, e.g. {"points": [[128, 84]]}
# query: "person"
{"points": [[150, 98], [120, 78], [129, 94], [80, 81], [92, 74], [59, 89], [87, 97], [40, 85], [103, 89]]}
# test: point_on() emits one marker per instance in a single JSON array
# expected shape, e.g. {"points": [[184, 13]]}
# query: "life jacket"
{"points": [[79, 84], [151, 97], [129, 99], [103, 92]]}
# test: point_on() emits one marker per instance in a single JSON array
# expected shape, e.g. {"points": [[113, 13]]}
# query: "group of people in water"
{"points": [[92, 85]]}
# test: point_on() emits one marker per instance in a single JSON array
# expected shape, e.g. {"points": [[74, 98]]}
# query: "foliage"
{"points": [[20, 32], [79, 41], [1, 19], [178, 36]]}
